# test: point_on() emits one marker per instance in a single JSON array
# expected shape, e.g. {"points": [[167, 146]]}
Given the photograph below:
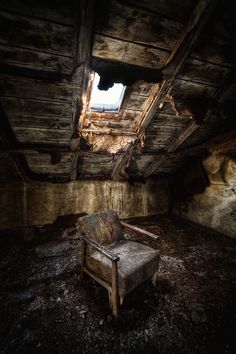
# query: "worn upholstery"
{"points": [[103, 227], [137, 263]]}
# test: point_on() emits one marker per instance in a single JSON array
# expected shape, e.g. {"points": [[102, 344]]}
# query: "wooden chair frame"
{"points": [[112, 288]]}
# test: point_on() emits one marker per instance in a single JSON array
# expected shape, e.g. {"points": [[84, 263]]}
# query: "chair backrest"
{"points": [[103, 227]]}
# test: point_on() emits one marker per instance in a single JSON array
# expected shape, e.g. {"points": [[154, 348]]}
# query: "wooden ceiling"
{"points": [[46, 129]]}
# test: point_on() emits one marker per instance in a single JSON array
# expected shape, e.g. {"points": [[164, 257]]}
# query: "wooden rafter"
{"points": [[175, 143], [81, 75], [220, 143], [173, 65], [221, 94]]}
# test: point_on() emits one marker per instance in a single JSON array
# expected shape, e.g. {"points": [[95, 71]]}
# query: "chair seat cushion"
{"points": [[137, 263]]}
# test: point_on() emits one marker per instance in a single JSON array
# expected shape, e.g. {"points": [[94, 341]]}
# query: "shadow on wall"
{"points": [[191, 179], [214, 207]]}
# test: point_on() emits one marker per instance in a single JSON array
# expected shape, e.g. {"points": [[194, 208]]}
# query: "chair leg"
{"points": [[155, 278], [115, 292], [109, 297], [83, 254]]}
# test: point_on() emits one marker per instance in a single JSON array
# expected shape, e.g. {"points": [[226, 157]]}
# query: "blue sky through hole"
{"points": [[106, 100]]}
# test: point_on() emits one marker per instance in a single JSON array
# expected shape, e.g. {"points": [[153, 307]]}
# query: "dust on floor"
{"points": [[46, 309]]}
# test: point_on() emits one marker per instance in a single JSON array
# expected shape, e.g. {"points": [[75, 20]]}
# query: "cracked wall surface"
{"points": [[41, 203], [216, 207]]}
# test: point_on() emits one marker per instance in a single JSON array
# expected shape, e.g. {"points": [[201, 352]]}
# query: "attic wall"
{"points": [[216, 206], [11, 205], [44, 202]]}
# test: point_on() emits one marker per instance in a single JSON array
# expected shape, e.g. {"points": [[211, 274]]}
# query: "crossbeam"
{"points": [[182, 49]]}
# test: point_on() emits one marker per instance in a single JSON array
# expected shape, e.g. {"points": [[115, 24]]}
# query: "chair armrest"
{"points": [[106, 252], [140, 231]]}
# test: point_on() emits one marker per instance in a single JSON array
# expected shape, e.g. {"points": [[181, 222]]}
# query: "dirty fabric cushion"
{"points": [[137, 263], [103, 227]]}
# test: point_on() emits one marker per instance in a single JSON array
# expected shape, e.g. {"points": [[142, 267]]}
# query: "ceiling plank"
{"points": [[128, 52], [186, 132], [173, 65], [211, 146], [141, 22], [175, 143]]}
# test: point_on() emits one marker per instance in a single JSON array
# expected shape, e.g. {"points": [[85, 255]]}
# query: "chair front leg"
{"points": [[115, 291]]}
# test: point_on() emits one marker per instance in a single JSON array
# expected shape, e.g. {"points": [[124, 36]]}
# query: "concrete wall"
{"points": [[216, 207], [44, 202]]}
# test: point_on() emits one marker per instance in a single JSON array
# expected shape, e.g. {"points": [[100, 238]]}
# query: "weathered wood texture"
{"points": [[179, 11], [41, 44], [166, 108], [166, 121], [138, 163], [41, 163], [81, 77], [203, 72], [162, 135], [138, 26], [39, 111], [59, 11], [30, 59], [134, 35], [171, 146], [93, 166], [36, 34], [209, 129], [39, 135], [37, 40], [173, 65], [139, 231], [128, 52], [22, 87], [217, 42], [182, 88], [134, 102], [28, 107]]}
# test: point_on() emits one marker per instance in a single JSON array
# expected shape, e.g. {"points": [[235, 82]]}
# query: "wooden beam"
{"points": [[172, 67], [81, 75], [187, 131], [184, 134], [25, 147], [122, 162], [107, 131], [155, 165], [175, 143], [220, 143], [16, 149]]}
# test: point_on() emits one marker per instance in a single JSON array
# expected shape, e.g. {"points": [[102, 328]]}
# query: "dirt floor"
{"points": [[46, 309]]}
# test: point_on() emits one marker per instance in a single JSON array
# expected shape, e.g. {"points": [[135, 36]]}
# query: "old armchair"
{"points": [[118, 264]]}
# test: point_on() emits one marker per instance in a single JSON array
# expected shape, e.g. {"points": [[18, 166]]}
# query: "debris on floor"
{"points": [[192, 309]]}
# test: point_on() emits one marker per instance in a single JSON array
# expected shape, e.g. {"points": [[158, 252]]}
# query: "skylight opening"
{"points": [[106, 100]]}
